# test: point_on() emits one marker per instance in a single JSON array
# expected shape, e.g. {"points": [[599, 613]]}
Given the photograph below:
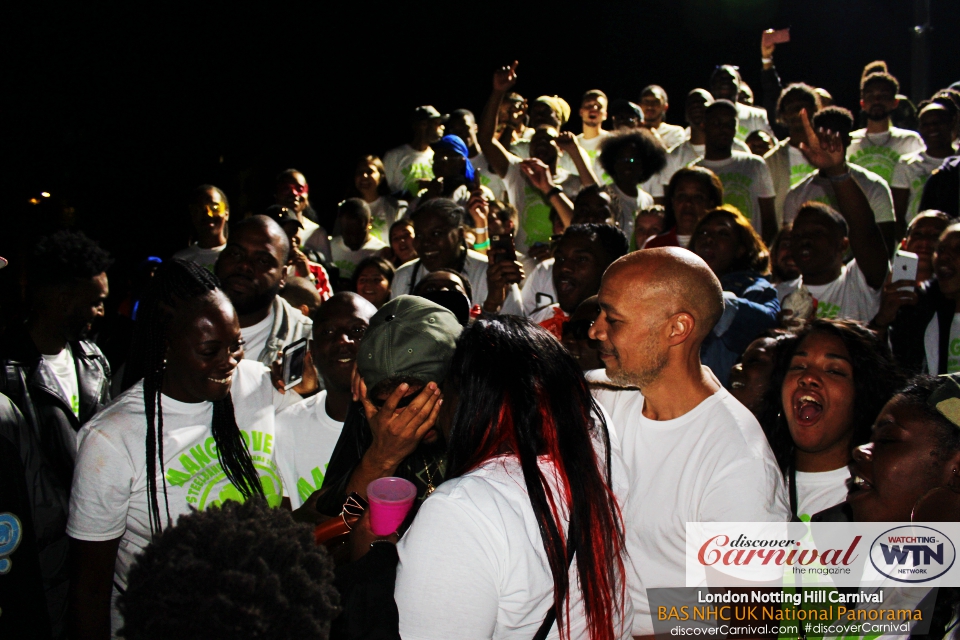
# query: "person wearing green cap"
{"points": [[389, 430]]}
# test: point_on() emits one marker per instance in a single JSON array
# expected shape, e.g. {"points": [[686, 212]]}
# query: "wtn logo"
{"points": [[912, 554]]}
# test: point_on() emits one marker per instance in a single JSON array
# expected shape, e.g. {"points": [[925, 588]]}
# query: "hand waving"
{"points": [[823, 149], [505, 77]]}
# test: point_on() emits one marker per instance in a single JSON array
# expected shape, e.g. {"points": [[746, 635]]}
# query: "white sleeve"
{"points": [[881, 201], [513, 305], [100, 494], [901, 175], [401, 283], [761, 497], [764, 180], [391, 166], [447, 579]]}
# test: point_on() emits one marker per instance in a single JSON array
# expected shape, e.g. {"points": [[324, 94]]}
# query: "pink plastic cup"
{"points": [[390, 500]]}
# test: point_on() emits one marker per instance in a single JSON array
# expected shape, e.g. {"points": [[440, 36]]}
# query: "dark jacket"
{"points": [[34, 389], [907, 330]]}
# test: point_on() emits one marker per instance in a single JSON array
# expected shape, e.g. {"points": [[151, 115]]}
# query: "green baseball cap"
{"points": [[408, 336]]}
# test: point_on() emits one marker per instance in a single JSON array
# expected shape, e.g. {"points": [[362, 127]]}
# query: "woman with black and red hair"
{"points": [[527, 526]]}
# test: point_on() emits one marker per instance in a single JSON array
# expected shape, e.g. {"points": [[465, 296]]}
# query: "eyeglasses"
{"points": [[298, 189], [212, 209]]}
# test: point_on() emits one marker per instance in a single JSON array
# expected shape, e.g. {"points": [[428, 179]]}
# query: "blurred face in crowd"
{"points": [[922, 239], [401, 241], [781, 259], [441, 281], [901, 466], [725, 83], [818, 396], [355, 231], [720, 127], [750, 378], [759, 142], [626, 119], [936, 128], [647, 225], [696, 106], [790, 109], [946, 263], [464, 127], [654, 105], [78, 304], [543, 145], [878, 100], [593, 206], [816, 244], [373, 285], [337, 329], [512, 112], [251, 267], [691, 200], [292, 192], [430, 130], [438, 243], [628, 168], [542, 114], [367, 177], [579, 263], [717, 241], [593, 111], [448, 163], [209, 214], [576, 335]]}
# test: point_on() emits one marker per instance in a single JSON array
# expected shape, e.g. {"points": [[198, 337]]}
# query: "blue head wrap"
{"points": [[455, 144]]}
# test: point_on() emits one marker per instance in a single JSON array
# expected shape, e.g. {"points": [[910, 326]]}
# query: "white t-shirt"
{"points": [[534, 213], [206, 258], [745, 179], [625, 207], [256, 335], [682, 155], [818, 189], [591, 147], [912, 172], [671, 135], [712, 464], [849, 296], [474, 268], [64, 367], [404, 166], [489, 177], [306, 437], [879, 152], [538, 290], [384, 211], [799, 167], [750, 119], [315, 237], [819, 491], [472, 564], [109, 494], [931, 346], [346, 259]]}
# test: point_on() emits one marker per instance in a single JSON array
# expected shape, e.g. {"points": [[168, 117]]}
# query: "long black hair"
{"points": [[522, 394], [875, 379], [176, 283]]}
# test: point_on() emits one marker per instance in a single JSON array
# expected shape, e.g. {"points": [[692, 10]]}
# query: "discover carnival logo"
{"points": [[912, 554]]}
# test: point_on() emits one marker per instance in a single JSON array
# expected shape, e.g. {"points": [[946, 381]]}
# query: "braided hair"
{"points": [[178, 282]]}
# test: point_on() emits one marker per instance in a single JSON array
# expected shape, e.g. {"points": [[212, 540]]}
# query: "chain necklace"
{"points": [[430, 487]]}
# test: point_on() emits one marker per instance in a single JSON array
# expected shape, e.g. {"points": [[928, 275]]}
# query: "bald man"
{"points": [[693, 452], [307, 432], [252, 270]]}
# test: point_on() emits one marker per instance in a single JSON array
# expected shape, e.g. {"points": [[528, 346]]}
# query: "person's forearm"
{"points": [[367, 471], [768, 219], [563, 206], [580, 160], [492, 150], [866, 240]]}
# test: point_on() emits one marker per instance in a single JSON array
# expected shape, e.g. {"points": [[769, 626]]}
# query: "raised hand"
{"points": [[567, 142], [823, 149], [505, 77], [479, 209], [538, 174], [397, 432]]}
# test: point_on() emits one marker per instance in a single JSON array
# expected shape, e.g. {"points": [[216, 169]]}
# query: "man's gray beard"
{"points": [[641, 379]]}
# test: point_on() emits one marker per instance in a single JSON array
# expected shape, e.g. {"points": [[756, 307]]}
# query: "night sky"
{"points": [[120, 111]]}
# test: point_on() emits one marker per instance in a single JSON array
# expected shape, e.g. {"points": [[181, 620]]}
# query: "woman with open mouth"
{"points": [[823, 399]]}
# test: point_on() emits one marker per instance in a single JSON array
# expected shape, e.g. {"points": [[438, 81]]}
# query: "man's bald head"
{"points": [[266, 225], [677, 280]]}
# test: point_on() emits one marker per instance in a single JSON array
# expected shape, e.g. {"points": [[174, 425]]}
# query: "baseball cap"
{"points": [[427, 112], [281, 214], [408, 336]]}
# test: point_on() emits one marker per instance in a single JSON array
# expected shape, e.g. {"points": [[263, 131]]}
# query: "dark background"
{"points": [[118, 111]]}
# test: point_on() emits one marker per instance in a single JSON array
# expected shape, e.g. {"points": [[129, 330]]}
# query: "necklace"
{"points": [[430, 487]]}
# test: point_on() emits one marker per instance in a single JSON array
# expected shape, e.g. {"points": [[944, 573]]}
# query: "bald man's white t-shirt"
{"points": [[712, 464]]}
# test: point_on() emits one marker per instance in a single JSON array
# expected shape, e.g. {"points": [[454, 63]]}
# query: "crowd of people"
{"points": [[571, 343]]}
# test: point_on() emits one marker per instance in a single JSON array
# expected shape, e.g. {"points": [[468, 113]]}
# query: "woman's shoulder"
{"points": [[125, 410]]}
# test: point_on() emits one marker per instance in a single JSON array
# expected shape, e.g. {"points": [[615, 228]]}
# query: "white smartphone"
{"points": [[904, 267], [293, 362]]}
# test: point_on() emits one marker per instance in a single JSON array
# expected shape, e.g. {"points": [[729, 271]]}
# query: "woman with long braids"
{"points": [[527, 526], [197, 430]]}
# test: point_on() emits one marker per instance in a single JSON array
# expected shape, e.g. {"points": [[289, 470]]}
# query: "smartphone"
{"points": [[776, 36], [293, 360], [904, 267], [502, 248]]}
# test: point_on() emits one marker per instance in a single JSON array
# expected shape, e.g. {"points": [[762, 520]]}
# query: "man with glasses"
{"points": [[293, 193], [209, 213], [725, 85]]}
